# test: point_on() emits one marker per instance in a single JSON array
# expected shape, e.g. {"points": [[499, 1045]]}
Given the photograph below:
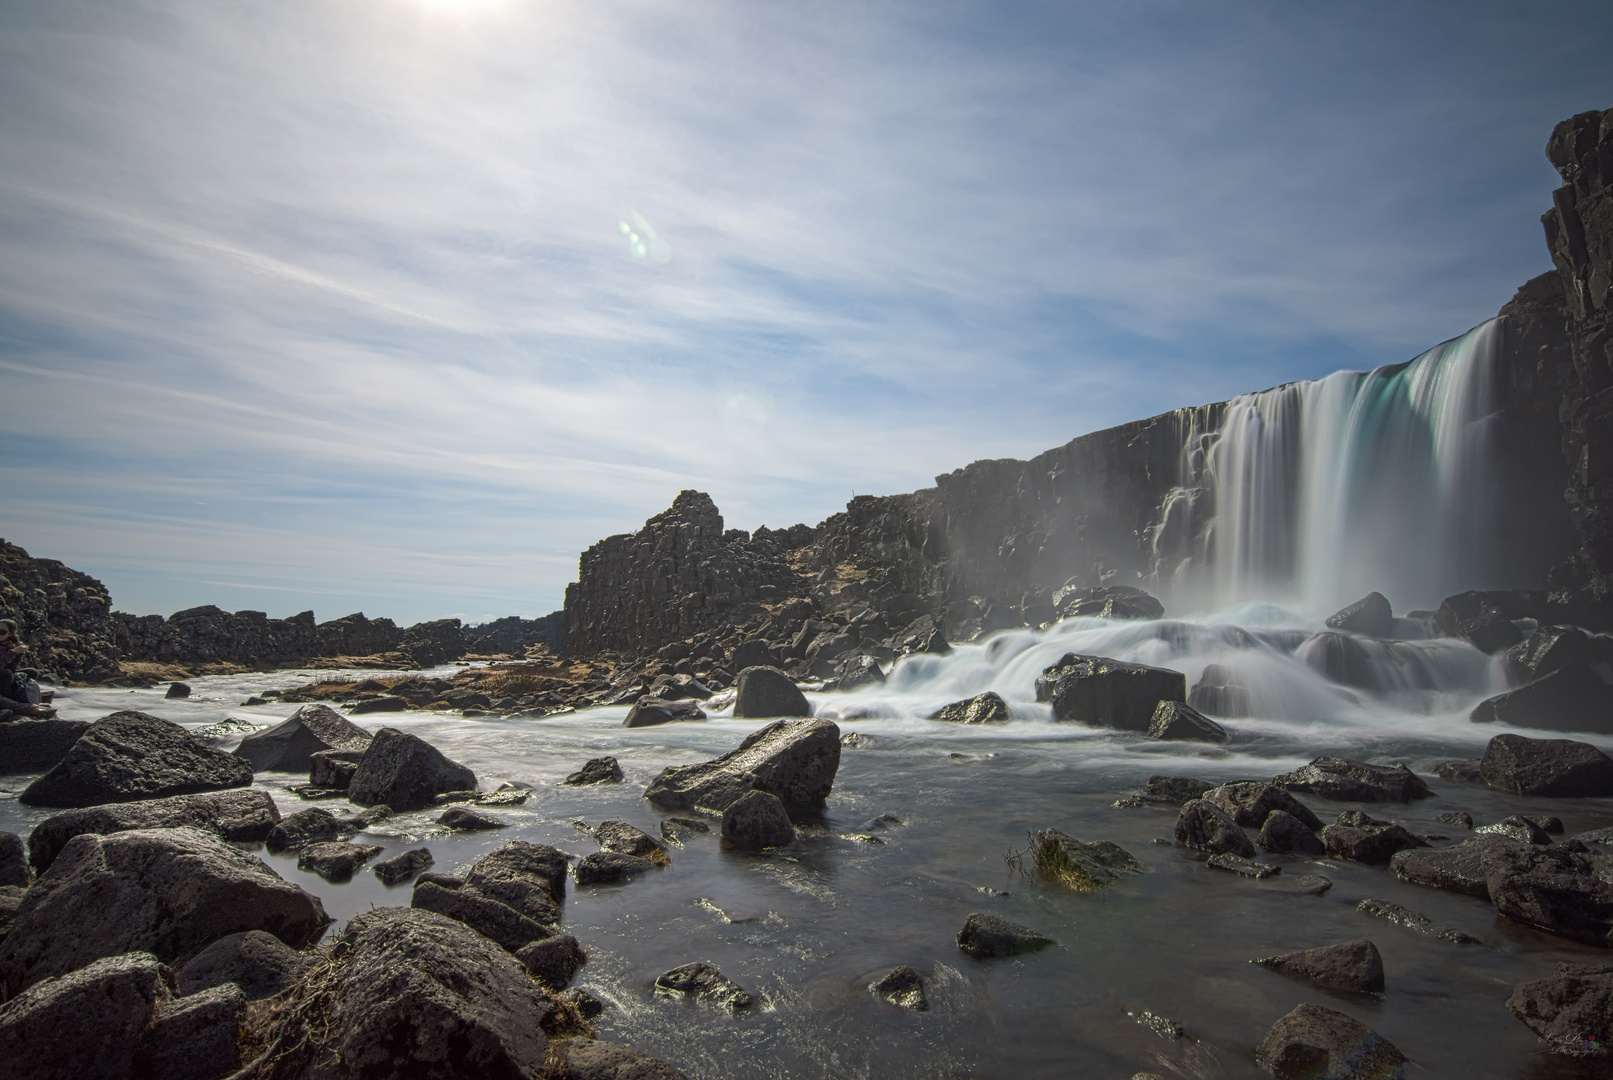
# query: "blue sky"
{"points": [[329, 303]]}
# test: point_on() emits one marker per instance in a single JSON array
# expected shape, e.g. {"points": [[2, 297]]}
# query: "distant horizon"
{"points": [[399, 307]]}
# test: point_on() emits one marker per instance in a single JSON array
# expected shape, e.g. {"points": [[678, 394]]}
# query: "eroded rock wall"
{"points": [[62, 614]]}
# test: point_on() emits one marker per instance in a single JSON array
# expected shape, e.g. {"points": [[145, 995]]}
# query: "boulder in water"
{"points": [[260, 964], [611, 868], [1285, 834], [403, 866], [1204, 826], [1549, 649], [1572, 698], [1176, 720], [405, 772], [1369, 615], [1373, 844], [464, 819], [651, 711], [288, 745], [601, 770], [554, 961], [491, 918], [1354, 967], [1066, 861], [1458, 869], [1313, 1043], [1217, 694], [986, 936], [531, 878], [335, 861], [128, 756], [28, 746], [1106, 602], [304, 827], [1175, 789], [1108, 693], [757, 820], [765, 692], [703, 981], [1562, 768], [1551, 889], [1250, 802], [901, 986], [98, 897], [245, 815], [1571, 1012], [1414, 921], [860, 670], [333, 769], [987, 708], [177, 690], [631, 840], [1518, 828], [793, 760], [1355, 781]]}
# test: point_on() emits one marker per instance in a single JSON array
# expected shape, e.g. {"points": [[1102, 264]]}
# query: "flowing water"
{"points": [[806, 928]]}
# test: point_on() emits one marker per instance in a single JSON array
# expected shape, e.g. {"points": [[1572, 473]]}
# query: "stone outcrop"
{"points": [[127, 756], [63, 615]]}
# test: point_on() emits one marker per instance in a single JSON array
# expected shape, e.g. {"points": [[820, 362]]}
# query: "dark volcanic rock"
{"points": [[588, 1059], [675, 829], [1414, 921], [1297, 885], [1557, 767], [422, 996], [1369, 615], [1177, 720], [1313, 1043], [631, 840], [13, 863], [335, 861], [1354, 967], [601, 770], [1572, 698], [767, 692], [1243, 867], [232, 815], [611, 868], [1572, 1011], [304, 827], [1285, 834], [554, 961], [177, 690], [405, 772], [1106, 602], [1066, 861], [1217, 695], [1466, 772], [492, 919], [402, 866], [651, 711], [384, 703], [260, 964], [860, 670], [164, 891], [1373, 844], [1250, 802], [467, 820], [1548, 649], [196, 1037], [287, 746], [1108, 693], [1355, 781], [901, 986], [1460, 818], [1175, 789], [987, 708], [703, 981], [1515, 827], [28, 746], [756, 820], [793, 760], [1203, 826], [1458, 869], [333, 768], [531, 878], [130, 755], [1552, 889], [986, 936], [83, 1025]]}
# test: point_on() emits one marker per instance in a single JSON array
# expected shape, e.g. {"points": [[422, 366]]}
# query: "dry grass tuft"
{"points": [[282, 1033]]}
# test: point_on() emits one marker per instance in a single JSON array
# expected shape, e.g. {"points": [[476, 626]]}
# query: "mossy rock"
{"points": [[1077, 865]]}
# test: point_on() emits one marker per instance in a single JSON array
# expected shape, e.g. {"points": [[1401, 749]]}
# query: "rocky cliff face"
{"points": [[211, 635], [63, 615]]}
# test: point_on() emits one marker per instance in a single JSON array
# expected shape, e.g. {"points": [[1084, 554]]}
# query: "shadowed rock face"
{"points": [[64, 616], [288, 745], [130, 755], [232, 815], [793, 760], [1315, 1042], [1354, 967], [405, 772], [34, 745]]}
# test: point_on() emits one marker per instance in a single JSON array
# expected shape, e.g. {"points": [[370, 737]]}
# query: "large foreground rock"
{"points": [[421, 996], [245, 815], [83, 1025], [795, 761], [1559, 767], [1551, 889], [1354, 967], [405, 772], [1313, 1043], [765, 692], [131, 755], [288, 746], [986, 936], [28, 746], [1355, 781], [169, 892], [1572, 1011], [1108, 693], [260, 964]]}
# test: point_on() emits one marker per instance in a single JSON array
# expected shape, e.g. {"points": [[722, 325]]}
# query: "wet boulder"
{"points": [[987, 708], [1562, 768], [1175, 789], [1106, 602], [1466, 771], [1458, 869], [1354, 781], [384, 703], [1079, 865], [1549, 649], [403, 866], [1551, 889], [611, 868], [860, 670], [420, 995], [1313, 1043], [601, 770], [86, 1024], [651, 711], [1572, 698], [1353, 967], [1372, 844], [335, 861], [405, 772], [1248, 868], [333, 768], [531, 878], [901, 986], [1415, 921], [1250, 802], [1108, 693], [1216, 694], [492, 919], [164, 891], [1178, 721], [554, 961], [793, 760], [1370, 615], [703, 981], [246, 815], [260, 964], [766, 692], [986, 936], [1516, 827], [757, 820], [631, 840], [128, 756], [1204, 826], [1571, 1012], [1459, 818], [464, 819], [177, 690], [1284, 834], [29, 746], [288, 745], [589, 1059], [308, 826]]}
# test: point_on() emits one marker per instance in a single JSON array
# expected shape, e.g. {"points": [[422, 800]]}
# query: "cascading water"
{"points": [[1323, 491]]}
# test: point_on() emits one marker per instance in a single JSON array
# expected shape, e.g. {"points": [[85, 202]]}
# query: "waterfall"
{"points": [[1319, 492]]}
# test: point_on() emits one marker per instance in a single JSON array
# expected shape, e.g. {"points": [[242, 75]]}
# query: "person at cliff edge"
{"points": [[15, 696]]}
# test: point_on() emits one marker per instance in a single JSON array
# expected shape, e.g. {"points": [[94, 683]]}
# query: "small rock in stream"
{"points": [[755, 821], [1468, 772], [335, 861], [1518, 828], [1174, 789], [1297, 885], [1203, 826], [703, 981], [1354, 967], [1285, 834], [1243, 867], [985, 936], [1355, 781], [553, 961], [462, 819], [1313, 1043], [1460, 818], [610, 868], [401, 867], [627, 839], [1079, 865], [1374, 844], [674, 829], [901, 986], [600, 770], [1414, 921]]}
